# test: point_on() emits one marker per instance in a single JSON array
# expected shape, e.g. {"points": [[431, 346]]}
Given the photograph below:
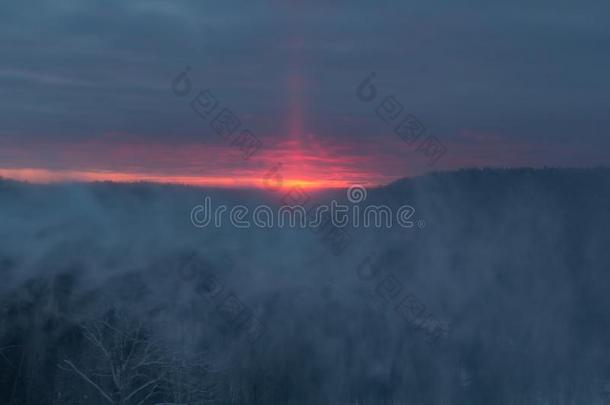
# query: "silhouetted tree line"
{"points": [[515, 261]]}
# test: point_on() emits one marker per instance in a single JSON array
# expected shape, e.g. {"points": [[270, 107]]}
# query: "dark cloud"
{"points": [[533, 71]]}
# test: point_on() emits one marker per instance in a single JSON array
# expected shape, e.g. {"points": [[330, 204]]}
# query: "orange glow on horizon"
{"points": [[298, 158], [45, 176]]}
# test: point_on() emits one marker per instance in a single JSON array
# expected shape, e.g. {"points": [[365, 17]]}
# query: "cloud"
{"points": [[77, 70]]}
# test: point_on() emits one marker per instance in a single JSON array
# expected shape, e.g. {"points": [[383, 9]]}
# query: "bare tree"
{"points": [[126, 366]]}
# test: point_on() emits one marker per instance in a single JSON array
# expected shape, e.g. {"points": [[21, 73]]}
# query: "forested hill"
{"points": [[497, 294]]}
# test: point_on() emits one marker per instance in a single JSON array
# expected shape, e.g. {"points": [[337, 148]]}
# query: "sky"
{"points": [[89, 89]]}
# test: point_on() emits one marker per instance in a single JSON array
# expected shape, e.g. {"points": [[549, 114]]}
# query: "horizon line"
{"points": [[68, 177], [48, 177]]}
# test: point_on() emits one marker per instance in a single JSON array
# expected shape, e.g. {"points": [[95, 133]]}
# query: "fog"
{"points": [[504, 273]]}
